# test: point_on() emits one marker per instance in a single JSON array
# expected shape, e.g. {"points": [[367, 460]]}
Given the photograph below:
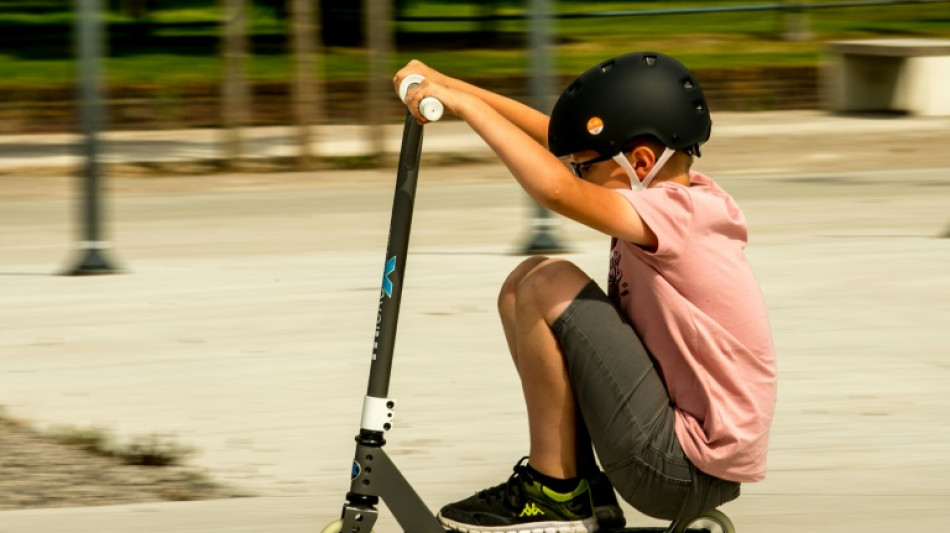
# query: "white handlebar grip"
{"points": [[407, 83], [430, 107]]}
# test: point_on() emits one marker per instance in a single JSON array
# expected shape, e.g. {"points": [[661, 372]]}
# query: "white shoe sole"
{"points": [[588, 525]]}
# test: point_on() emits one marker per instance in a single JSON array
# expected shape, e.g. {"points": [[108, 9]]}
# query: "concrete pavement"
{"points": [[797, 141], [243, 324]]}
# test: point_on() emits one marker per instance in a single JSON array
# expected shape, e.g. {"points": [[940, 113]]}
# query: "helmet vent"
{"points": [[688, 84], [699, 108], [607, 67], [649, 60], [573, 88]]}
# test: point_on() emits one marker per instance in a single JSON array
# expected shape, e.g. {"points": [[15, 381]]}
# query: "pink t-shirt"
{"points": [[699, 310]]}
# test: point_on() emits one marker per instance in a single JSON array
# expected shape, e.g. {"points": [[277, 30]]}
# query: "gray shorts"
{"points": [[628, 413]]}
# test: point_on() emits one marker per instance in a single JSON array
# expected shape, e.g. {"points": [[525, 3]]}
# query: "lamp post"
{"points": [[543, 238], [93, 258]]}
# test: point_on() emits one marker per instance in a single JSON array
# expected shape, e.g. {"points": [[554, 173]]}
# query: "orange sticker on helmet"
{"points": [[595, 125]]}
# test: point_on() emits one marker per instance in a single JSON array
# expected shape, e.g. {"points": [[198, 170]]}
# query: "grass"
{"points": [[145, 450], [183, 42]]}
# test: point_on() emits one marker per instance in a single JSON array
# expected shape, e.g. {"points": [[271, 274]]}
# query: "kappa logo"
{"points": [[531, 509]]}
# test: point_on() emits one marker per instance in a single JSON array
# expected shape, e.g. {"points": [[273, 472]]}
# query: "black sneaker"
{"points": [[606, 509], [522, 505]]}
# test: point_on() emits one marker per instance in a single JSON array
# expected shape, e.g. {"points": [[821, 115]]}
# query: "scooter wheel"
{"points": [[335, 526], [712, 521]]}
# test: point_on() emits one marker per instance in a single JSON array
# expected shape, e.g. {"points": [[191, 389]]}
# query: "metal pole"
{"points": [[543, 239], [92, 246]]}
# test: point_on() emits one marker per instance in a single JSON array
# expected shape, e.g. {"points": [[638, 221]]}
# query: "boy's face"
{"points": [[583, 162]]}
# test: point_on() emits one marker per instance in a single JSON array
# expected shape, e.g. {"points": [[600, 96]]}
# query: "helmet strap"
{"points": [[635, 182]]}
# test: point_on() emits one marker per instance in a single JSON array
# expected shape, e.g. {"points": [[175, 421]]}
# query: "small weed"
{"points": [[93, 440], [145, 450], [154, 450]]}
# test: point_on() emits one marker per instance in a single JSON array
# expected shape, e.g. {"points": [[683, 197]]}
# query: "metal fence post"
{"points": [[543, 238], [92, 246]]}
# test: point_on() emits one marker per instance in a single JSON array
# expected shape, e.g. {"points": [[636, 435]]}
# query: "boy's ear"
{"points": [[643, 160]]}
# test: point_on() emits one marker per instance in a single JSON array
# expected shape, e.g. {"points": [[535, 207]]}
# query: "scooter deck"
{"points": [[654, 529], [636, 530]]}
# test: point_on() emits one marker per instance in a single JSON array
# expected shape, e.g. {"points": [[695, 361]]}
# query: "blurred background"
{"points": [[166, 59]]}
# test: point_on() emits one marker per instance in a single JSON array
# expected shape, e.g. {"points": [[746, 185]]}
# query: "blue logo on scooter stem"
{"points": [[387, 283]]}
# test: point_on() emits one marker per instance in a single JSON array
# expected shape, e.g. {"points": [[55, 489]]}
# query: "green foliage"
{"points": [[179, 40]]}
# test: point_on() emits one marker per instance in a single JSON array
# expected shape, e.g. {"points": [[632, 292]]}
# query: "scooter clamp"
{"points": [[377, 413]]}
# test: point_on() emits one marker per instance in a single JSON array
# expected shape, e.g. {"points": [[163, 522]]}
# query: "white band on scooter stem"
{"points": [[377, 413], [430, 107]]}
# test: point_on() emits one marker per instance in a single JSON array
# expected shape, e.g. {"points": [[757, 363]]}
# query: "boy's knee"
{"points": [[550, 286], [509, 289], [546, 275]]}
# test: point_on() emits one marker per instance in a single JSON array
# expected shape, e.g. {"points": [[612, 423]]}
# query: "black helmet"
{"points": [[644, 93]]}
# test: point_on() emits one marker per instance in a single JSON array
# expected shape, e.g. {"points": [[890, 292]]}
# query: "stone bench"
{"points": [[903, 75]]}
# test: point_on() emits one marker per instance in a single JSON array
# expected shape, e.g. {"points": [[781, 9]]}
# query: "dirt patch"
{"points": [[37, 470]]}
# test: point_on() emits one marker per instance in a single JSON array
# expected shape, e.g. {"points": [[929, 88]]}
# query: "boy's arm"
{"points": [[527, 119], [543, 176]]}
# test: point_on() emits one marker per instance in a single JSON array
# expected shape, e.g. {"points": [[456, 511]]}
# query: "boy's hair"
{"points": [[643, 93]]}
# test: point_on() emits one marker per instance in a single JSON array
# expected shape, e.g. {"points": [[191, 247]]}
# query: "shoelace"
{"points": [[508, 492]]}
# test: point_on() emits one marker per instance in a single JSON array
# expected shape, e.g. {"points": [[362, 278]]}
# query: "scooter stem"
{"points": [[390, 294]]}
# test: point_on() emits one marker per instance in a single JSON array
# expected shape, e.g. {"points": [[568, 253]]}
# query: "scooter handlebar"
{"points": [[430, 107]]}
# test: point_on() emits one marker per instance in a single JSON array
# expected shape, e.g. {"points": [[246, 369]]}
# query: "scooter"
{"points": [[374, 475]]}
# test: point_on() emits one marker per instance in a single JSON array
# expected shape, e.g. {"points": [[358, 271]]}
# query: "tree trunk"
{"points": [[307, 90], [235, 96], [380, 38]]}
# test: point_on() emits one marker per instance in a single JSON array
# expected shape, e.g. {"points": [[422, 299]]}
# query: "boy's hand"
{"points": [[451, 100], [432, 86], [417, 67]]}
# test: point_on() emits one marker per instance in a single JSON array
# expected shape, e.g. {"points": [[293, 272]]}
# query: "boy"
{"points": [[670, 376]]}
